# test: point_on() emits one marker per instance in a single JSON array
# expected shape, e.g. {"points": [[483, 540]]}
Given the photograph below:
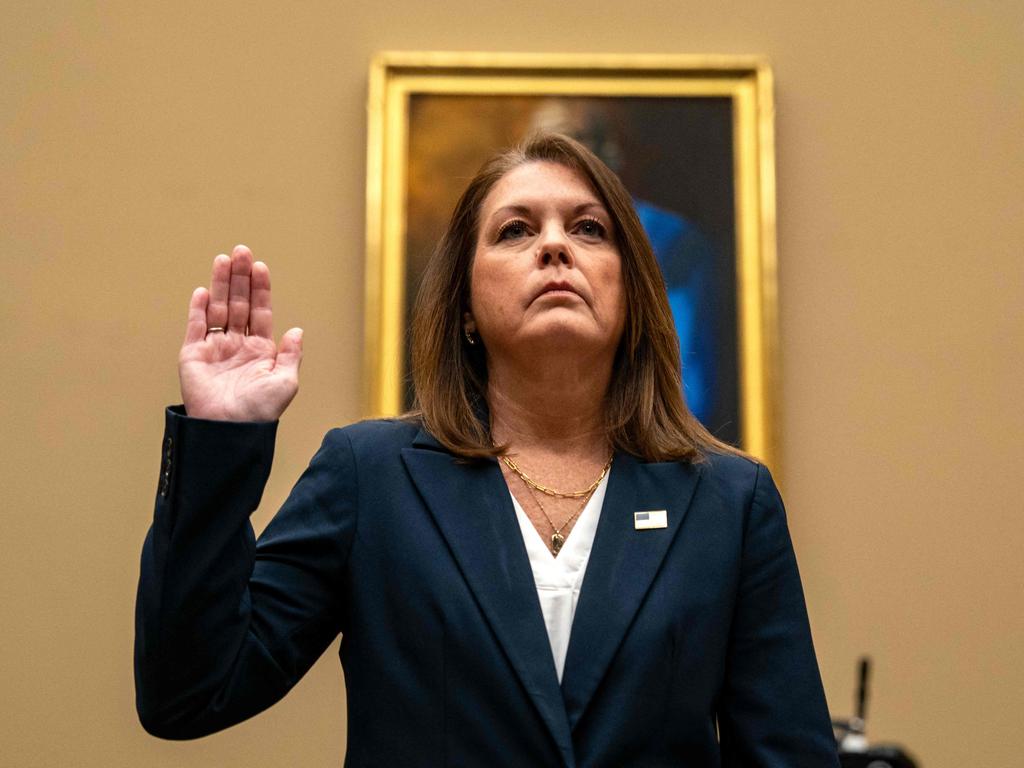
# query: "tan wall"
{"points": [[138, 139]]}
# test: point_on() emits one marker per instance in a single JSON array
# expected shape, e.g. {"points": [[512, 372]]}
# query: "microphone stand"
{"points": [[851, 734]]}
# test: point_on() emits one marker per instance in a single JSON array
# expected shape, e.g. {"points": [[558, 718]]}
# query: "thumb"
{"points": [[289, 352]]}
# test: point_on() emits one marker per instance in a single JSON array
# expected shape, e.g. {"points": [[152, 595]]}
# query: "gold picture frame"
{"points": [[713, 116]]}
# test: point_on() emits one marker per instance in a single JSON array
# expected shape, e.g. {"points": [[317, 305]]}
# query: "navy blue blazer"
{"points": [[690, 646]]}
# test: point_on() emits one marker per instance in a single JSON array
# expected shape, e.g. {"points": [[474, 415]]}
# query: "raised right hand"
{"points": [[237, 374]]}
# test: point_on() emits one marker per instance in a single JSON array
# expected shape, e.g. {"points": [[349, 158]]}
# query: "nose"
{"points": [[554, 248]]}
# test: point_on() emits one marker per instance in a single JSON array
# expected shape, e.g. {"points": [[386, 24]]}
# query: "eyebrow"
{"points": [[526, 210]]}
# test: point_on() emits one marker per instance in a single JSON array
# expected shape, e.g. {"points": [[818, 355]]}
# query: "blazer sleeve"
{"points": [[225, 626], [773, 710]]}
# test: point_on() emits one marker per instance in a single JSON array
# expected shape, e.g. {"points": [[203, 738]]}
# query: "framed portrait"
{"points": [[690, 136]]}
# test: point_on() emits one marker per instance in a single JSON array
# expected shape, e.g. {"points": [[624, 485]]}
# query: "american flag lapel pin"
{"points": [[654, 518]]}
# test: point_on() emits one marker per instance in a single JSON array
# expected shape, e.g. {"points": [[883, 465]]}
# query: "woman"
{"points": [[551, 479]]}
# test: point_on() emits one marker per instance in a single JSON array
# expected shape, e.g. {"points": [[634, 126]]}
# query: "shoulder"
{"points": [[374, 438], [729, 468], [739, 480]]}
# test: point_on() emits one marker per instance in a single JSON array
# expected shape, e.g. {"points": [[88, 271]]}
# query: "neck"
{"points": [[558, 404]]}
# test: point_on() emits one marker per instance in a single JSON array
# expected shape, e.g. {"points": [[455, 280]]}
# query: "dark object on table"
{"points": [[851, 735]]}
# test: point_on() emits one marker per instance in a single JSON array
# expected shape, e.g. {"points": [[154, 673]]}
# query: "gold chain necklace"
{"points": [[557, 539], [551, 491]]}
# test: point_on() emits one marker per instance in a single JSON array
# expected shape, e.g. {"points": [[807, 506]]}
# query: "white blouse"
{"points": [[558, 579]]}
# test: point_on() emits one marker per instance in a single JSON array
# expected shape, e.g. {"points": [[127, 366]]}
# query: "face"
{"points": [[547, 273]]}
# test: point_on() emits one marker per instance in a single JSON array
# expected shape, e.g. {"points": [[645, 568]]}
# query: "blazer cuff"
{"points": [[194, 452]]}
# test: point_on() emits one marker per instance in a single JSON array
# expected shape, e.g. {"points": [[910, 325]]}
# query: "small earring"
{"points": [[469, 336]]}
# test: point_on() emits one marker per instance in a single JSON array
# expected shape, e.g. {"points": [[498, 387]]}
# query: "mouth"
{"points": [[558, 288]]}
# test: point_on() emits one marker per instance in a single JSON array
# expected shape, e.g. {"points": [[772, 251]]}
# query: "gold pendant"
{"points": [[557, 540]]}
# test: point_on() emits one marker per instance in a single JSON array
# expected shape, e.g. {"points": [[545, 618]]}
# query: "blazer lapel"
{"points": [[623, 564], [472, 507]]}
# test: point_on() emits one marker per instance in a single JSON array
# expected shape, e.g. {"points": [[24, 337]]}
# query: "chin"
{"points": [[568, 335]]}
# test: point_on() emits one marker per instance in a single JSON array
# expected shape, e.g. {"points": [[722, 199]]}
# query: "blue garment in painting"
{"points": [[686, 259]]}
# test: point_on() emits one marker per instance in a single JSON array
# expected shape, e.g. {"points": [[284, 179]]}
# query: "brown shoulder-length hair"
{"points": [[645, 411]]}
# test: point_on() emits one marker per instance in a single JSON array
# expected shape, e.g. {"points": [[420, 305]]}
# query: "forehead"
{"points": [[537, 183]]}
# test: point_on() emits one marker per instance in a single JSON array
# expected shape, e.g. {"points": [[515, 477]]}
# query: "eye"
{"points": [[591, 228], [512, 230]]}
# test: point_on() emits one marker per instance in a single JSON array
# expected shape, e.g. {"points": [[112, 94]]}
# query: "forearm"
{"points": [[193, 613]]}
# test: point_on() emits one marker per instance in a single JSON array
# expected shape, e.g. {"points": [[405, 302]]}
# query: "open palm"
{"points": [[229, 366]]}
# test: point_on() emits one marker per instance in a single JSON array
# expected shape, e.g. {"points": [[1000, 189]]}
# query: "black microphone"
{"points": [[862, 688], [851, 735]]}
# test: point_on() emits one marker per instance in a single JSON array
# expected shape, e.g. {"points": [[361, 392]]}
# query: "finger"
{"points": [[195, 330], [220, 280], [261, 318], [238, 291], [289, 352]]}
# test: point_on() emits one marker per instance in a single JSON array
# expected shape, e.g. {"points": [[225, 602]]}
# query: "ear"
{"points": [[468, 323]]}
